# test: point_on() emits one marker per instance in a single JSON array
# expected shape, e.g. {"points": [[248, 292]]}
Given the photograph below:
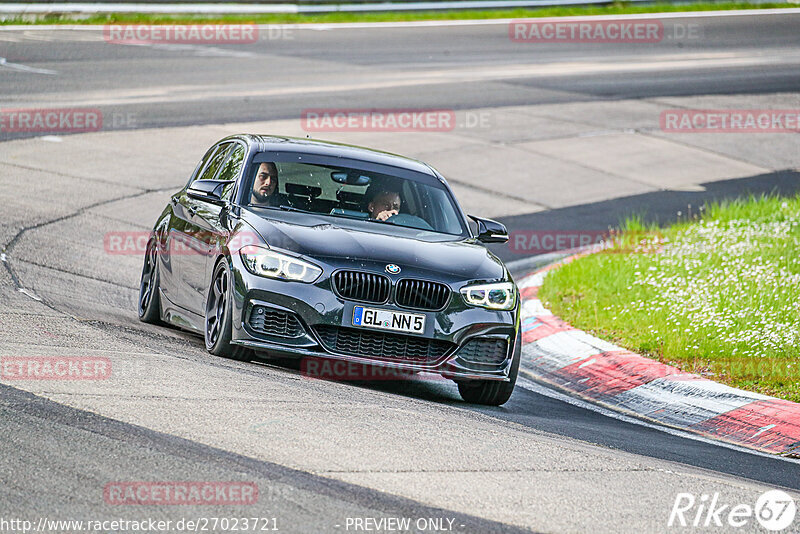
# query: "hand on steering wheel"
{"points": [[386, 215]]}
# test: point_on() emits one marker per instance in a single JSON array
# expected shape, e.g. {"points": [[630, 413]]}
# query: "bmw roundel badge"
{"points": [[392, 268]]}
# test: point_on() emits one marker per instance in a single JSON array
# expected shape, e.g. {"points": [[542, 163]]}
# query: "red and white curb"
{"points": [[605, 374]]}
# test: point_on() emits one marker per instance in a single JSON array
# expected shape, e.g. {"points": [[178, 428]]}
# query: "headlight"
{"points": [[497, 296], [265, 262]]}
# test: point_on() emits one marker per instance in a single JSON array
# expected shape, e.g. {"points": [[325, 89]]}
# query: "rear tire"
{"points": [[218, 318], [493, 392], [149, 298]]}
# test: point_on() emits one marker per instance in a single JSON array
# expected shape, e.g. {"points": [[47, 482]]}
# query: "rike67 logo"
{"points": [[775, 510]]}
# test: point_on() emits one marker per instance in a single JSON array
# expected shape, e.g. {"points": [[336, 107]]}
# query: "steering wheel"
{"points": [[405, 219]]}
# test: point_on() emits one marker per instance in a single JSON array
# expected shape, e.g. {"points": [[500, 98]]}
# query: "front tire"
{"points": [[149, 299], [218, 317], [493, 392]]}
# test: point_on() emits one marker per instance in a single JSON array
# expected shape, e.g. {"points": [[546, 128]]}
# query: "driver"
{"points": [[383, 203], [265, 185]]}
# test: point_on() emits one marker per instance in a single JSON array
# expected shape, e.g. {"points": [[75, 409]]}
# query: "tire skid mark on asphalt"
{"points": [[8, 247], [50, 138], [82, 275]]}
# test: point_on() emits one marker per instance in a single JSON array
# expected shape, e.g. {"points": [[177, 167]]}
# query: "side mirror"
{"points": [[490, 231], [208, 190]]}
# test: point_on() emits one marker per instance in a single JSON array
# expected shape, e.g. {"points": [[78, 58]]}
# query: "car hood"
{"points": [[329, 239]]}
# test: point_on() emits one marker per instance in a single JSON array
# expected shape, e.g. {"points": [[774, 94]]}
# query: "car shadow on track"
{"points": [[423, 386]]}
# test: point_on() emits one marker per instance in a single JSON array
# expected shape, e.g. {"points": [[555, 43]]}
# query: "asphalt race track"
{"points": [[550, 137]]}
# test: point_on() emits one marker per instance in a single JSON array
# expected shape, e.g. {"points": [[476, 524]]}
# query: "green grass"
{"points": [[616, 8], [717, 295]]}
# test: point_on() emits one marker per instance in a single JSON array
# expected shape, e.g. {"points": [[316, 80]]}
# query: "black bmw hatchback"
{"points": [[309, 249]]}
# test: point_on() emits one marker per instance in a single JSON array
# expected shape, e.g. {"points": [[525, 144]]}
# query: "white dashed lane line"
{"points": [[24, 68]]}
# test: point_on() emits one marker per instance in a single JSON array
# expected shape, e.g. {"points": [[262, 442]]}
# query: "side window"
{"points": [[202, 163], [215, 162], [232, 167]]}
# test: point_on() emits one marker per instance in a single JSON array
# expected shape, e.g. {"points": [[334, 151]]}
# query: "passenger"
{"points": [[265, 186]]}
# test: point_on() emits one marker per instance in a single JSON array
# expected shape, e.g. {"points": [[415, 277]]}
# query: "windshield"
{"points": [[352, 193]]}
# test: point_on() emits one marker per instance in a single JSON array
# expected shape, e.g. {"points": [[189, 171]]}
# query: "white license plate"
{"points": [[413, 323]]}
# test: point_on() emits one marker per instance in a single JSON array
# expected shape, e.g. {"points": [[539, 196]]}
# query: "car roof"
{"points": [[268, 143]]}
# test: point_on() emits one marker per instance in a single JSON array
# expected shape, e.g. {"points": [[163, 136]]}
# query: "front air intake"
{"points": [[382, 345], [485, 350], [274, 322]]}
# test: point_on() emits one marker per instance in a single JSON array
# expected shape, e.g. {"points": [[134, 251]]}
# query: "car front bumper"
{"points": [[316, 305]]}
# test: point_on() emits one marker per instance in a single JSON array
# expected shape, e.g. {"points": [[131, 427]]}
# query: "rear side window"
{"points": [[196, 173], [215, 162], [232, 167]]}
